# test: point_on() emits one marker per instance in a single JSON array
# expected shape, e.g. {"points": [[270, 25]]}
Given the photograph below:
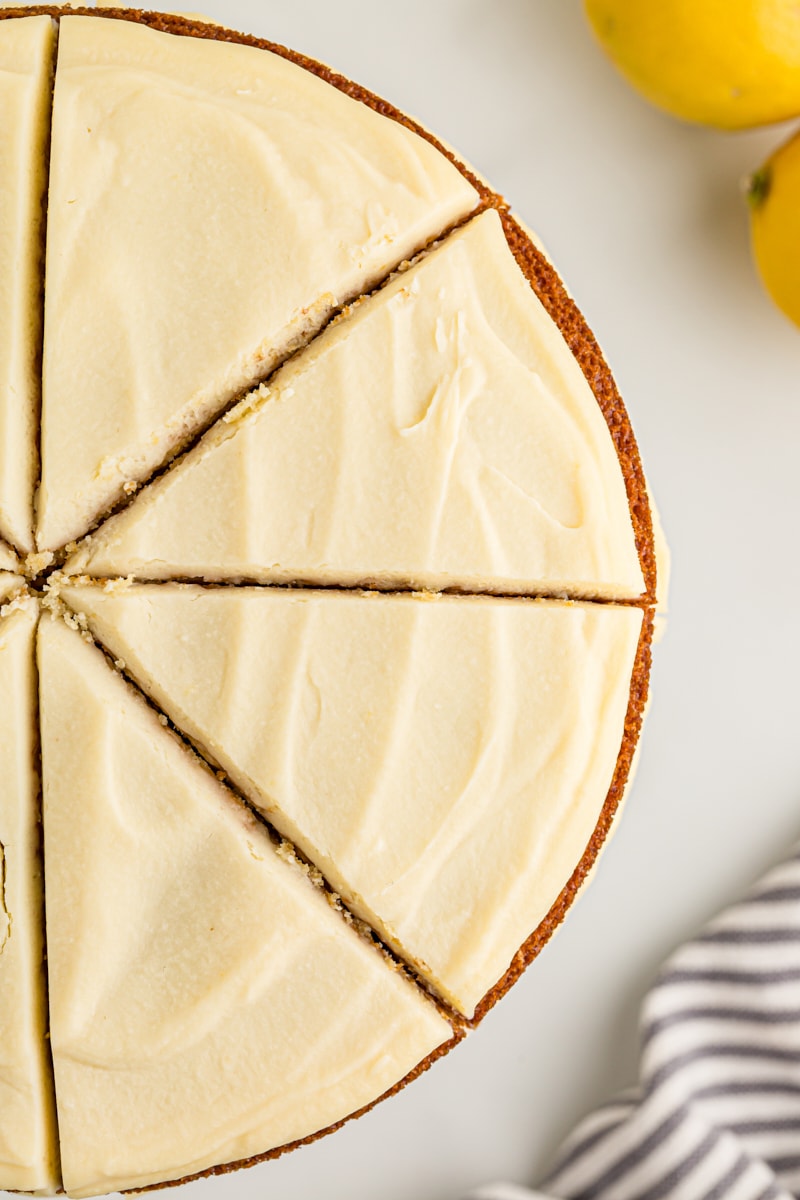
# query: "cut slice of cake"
{"points": [[439, 436], [207, 1003], [210, 205], [28, 1152], [445, 762], [26, 65]]}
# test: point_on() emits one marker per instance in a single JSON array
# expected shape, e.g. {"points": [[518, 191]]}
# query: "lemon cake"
{"points": [[328, 579]]}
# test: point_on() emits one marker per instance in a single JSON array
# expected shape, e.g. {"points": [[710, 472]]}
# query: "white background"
{"points": [[644, 218]]}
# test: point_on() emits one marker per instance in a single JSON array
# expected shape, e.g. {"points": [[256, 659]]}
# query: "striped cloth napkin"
{"points": [[716, 1114]]}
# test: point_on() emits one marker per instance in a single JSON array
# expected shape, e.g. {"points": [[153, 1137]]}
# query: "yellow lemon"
{"points": [[774, 196], [729, 63]]}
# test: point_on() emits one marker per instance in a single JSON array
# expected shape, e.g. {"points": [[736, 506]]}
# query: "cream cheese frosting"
{"points": [[440, 436], [10, 586], [207, 1003], [443, 761], [26, 54], [210, 204], [28, 1154]]}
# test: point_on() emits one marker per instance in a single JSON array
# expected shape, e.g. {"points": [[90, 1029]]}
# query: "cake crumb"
{"points": [[50, 602], [114, 586], [68, 617], [285, 852], [35, 564], [252, 401], [18, 601]]}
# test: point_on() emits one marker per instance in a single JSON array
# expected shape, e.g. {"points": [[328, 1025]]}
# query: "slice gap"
{"points": [[28, 1135], [63, 576], [27, 49], [440, 436], [201, 216], [454, 830], [180, 943]]}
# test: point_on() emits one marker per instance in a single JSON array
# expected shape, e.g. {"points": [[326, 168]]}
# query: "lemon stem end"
{"points": [[758, 187]]}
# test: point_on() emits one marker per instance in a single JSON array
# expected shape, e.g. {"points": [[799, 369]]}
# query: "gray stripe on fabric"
{"points": [[712, 1012], [731, 1176], [735, 937], [615, 1119], [632, 1158], [678, 1173], [786, 1162], [579, 1151], [591, 1142], [753, 1087], [777, 894], [716, 975], [720, 1050], [776, 1125]]}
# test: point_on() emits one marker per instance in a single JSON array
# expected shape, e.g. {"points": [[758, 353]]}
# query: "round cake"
{"points": [[328, 580]]}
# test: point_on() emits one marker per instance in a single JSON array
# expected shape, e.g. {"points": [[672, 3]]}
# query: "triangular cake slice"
{"points": [[443, 761], [26, 65], [207, 1003], [28, 1154], [440, 436], [211, 203]]}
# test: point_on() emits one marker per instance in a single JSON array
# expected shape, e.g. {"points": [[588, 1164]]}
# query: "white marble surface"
{"points": [[644, 219]]}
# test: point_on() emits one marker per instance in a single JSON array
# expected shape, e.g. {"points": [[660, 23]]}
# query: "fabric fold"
{"points": [[716, 1112]]}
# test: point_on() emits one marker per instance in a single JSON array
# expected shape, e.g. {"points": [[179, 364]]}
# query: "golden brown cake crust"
{"points": [[547, 284]]}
